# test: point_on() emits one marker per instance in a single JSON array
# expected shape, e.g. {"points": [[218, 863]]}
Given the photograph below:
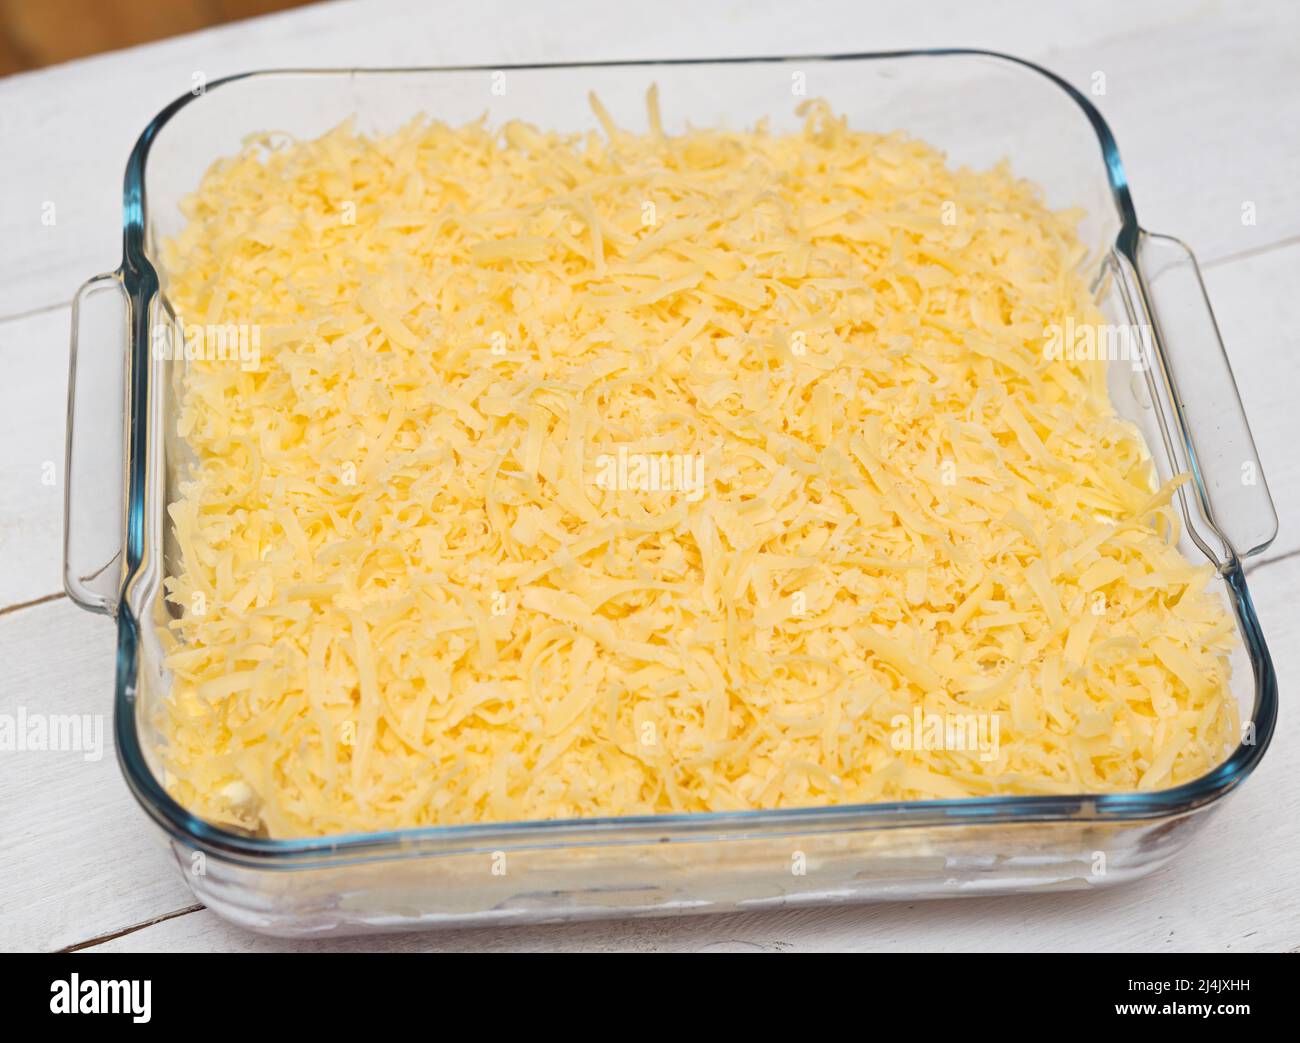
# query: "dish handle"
{"points": [[1216, 443], [94, 520]]}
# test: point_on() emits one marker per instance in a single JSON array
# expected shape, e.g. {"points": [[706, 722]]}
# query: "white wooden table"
{"points": [[1205, 101]]}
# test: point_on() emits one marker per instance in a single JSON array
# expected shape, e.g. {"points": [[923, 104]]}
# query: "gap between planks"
{"points": [[44, 600], [31, 313], [100, 939]]}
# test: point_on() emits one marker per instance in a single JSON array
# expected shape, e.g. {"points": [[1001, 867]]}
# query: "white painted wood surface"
{"points": [[1204, 99]]}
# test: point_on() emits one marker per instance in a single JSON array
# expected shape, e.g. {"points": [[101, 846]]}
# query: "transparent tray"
{"points": [[124, 459]]}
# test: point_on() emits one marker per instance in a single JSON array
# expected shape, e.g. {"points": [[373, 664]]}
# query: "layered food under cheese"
{"points": [[615, 474]]}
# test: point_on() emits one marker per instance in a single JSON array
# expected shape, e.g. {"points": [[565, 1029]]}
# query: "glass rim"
{"points": [[140, 280]]}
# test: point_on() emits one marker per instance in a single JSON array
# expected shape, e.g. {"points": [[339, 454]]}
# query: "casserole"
{"points": [[979, 108]]}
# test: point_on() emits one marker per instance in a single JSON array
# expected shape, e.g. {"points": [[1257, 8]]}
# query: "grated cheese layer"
{"points": [[614, 474]]}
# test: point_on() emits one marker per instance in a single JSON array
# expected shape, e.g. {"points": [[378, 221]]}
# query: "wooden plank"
{"points": [[1203, 111], [58, 32], [79, 859], [67, 140], [33, 408], [36, 35]]}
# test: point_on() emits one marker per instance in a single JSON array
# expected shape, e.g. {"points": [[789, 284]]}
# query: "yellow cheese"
{"points": [[620, 474]]}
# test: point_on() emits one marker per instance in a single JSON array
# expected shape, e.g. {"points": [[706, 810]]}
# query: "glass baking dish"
{"points": [[124, 457]]}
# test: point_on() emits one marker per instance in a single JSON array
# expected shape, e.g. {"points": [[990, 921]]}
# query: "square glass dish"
{"points": [[125, 459]]}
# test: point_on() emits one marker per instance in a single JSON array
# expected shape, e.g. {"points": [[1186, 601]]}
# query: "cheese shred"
{"points": [[618, 473]]}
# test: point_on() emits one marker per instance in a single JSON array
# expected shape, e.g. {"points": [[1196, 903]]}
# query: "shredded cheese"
{"points": [[613, 474]]}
